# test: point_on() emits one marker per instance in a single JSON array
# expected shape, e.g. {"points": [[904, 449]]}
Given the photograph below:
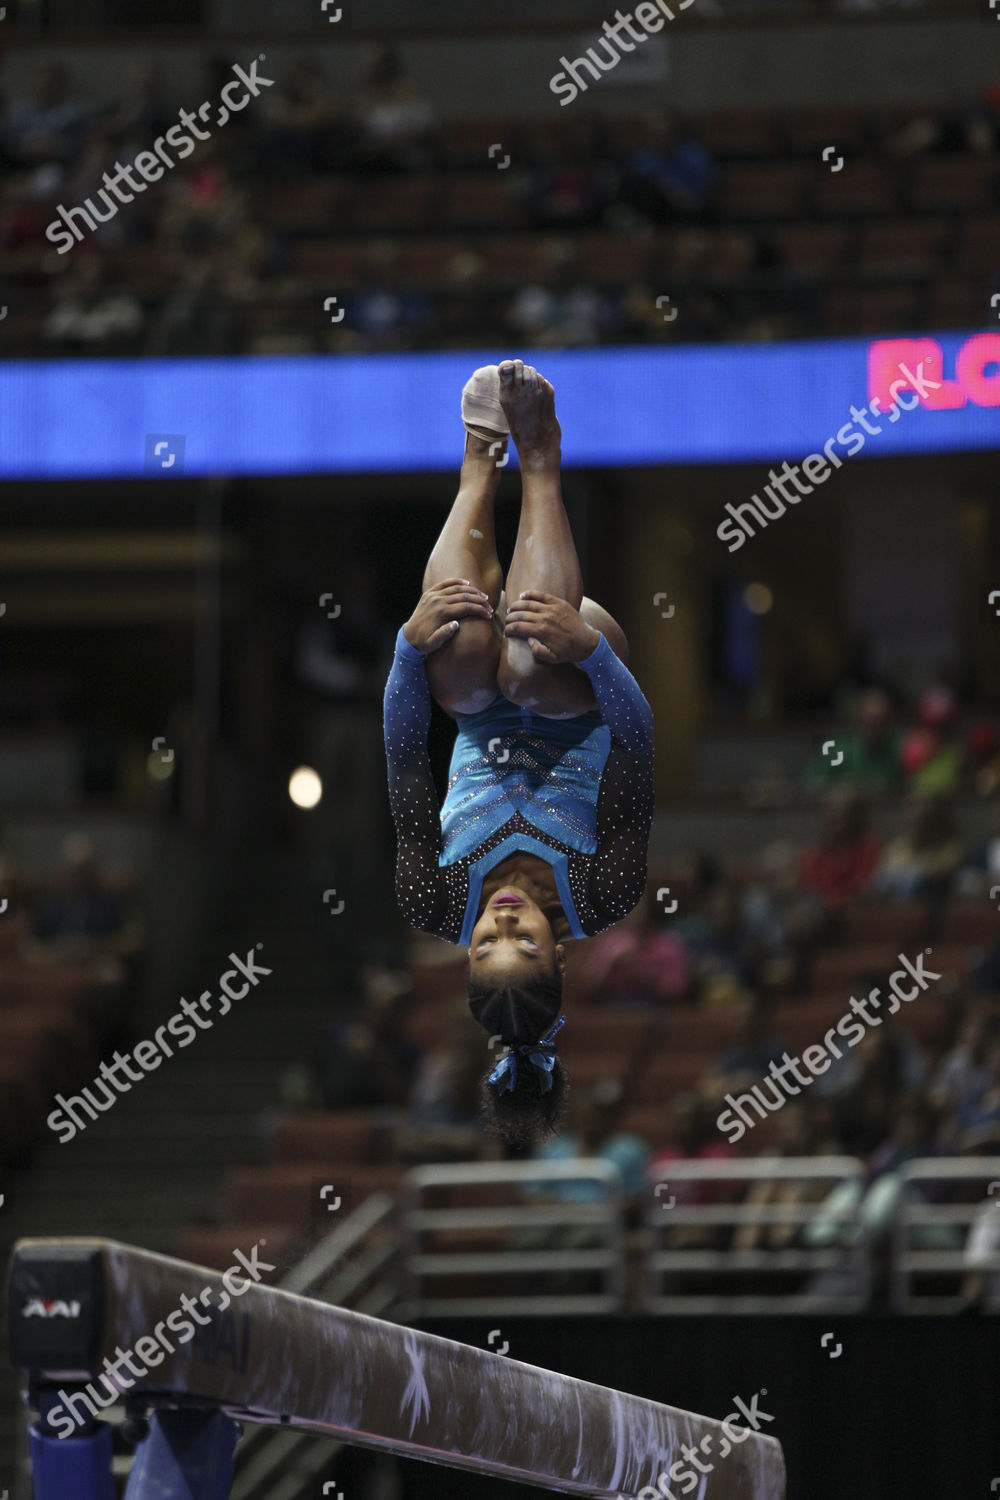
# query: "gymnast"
{"points": [[544, 829]]}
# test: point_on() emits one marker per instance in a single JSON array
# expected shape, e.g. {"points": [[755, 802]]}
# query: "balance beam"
{"points": [[268, 1356]]}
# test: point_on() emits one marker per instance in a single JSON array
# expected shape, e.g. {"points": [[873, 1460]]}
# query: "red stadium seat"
{"points": [[291, 1194], [858, 188], [951, 183], [767, 191], [810, 131], [316, 1136], [379, 204], [904, 247], [739, 133], [313, 204], [873, 311], [479, 202], [332, 263], [978, 249], [812, 249], [615, 259], [957, 304], [466, 142]]}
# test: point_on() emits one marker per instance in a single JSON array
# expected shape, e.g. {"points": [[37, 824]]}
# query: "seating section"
{"points": [[654, 1052], [785, 243]]}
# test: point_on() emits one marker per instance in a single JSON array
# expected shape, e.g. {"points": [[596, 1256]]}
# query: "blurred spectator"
{"points": [[563, 309], [396, 119], [370, 1061], [49, 126], [984, 1115], [92, 310], [752, 1049], [693, 1137], [962, 1078], [783, 919], [870, 749], [715, 937], [593, 1116], [572, 187], [840, 865], [25, 211], [922, 862], [672, 176], [844, 1072], [800, 1133], [982, 866], [932, 752], [912, 1134], [636, 961], [139, 116], [444, 1100], [304, 129], [85, 910], [863, 1114]]}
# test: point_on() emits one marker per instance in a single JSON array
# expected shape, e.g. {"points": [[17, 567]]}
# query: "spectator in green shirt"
{"points": [[870, 750]]}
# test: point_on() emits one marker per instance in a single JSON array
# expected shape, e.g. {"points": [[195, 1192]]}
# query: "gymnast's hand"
{"points": [[555, 631], [441, 611]]}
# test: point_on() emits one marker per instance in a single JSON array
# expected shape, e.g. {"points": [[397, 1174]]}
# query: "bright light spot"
{"points": [[758, 598], [157, 769], [305, 787]]}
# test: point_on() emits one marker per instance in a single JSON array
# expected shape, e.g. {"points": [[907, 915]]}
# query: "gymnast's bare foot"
{"points": [[528, 402]]}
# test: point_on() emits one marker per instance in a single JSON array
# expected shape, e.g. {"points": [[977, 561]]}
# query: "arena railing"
{"points": [[524, 1237], [944, 1242], [305, 1366], [836, 1276]]}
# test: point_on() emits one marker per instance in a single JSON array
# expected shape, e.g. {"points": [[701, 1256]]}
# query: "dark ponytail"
{"points": [[528, 1113], [519, 1016]]}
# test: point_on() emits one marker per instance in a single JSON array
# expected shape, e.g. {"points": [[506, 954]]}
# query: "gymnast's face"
{"points": [[512, 942]]}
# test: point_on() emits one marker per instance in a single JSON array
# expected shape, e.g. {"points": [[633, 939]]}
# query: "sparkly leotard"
{"points": [[577, 793]]}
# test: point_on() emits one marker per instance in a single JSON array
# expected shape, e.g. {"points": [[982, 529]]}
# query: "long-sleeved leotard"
{"points": [[578, 793]]}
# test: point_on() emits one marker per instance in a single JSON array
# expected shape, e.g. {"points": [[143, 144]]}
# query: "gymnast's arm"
{"points": [[420, 888], [625, 800]]}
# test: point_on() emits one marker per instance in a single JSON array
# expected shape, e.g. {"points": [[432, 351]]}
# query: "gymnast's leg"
{"points": [[545, 555], [463, 673]]}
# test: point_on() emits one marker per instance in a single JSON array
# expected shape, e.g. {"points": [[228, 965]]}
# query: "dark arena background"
{"points": [[250, 254]]}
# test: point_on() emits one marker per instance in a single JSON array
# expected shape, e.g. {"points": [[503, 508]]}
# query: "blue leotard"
{"points": [[577, 793]]}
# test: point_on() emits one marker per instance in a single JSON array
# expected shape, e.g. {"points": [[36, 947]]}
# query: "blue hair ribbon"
{"points": [[541, 1055]]}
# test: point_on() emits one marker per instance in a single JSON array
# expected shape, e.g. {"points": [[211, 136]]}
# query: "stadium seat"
{"points": [[978, 249], [316, 1136], [957, 304], [376, 205], [615, 259], [850, 310], [814, 250], [867, 188], [766, 191], [810, 131], [739, 133], [903, 247], [291, 1194], [479, 202], [332, 263], [950, 183], [312, 205], [465, 143]]}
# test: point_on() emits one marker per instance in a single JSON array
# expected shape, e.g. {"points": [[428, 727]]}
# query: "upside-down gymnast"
{"points": [[544, 830]]}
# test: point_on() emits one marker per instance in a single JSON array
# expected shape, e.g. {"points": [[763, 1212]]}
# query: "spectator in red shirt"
{"points": [[839, 866], [693, 1138]]}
